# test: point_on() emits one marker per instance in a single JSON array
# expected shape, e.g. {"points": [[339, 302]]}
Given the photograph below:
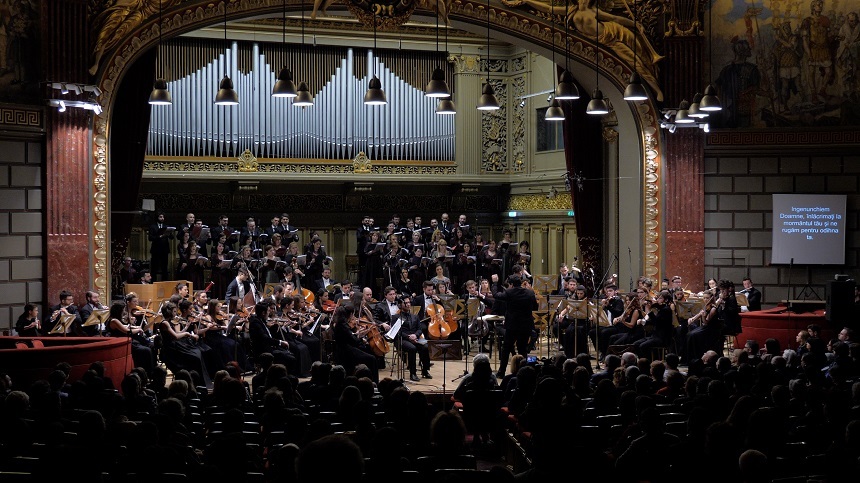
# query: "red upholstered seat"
{"points": [[21, 345], [37, 343]]}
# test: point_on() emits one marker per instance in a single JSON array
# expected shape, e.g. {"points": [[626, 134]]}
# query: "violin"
{"points": [[328, 306], [627, 316]]}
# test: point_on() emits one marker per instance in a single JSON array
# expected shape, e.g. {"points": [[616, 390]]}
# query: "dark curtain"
{"points": [[583, 152], [128, 134]]}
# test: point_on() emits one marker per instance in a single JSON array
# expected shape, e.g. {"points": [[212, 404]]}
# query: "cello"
{"points": [[438, 328]]}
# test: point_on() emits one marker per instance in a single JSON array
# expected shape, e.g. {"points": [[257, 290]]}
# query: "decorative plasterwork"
{"points": [[465, 64], [22, 118], [535, 202], [134, 31], [153, 165], [518, 126], [494, 132], [247, 162]]}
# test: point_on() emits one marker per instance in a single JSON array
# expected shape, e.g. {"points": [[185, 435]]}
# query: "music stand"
{"points": [[545, 283], [688, 308], [97, 317], [555, 303], [444, 349], [62, 325]]}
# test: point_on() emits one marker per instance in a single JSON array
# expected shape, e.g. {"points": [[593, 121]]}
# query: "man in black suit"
{"points": [[250, 234], [412, 333], [362, 237], [224, 228], [240, 286], [325, 281], [92, 304], [385, 311], [426, 298], [274, 227], [65, 307], [188, 225], [159, 249], [753, 295], [519, 323], [288, 231], [262, 339]]}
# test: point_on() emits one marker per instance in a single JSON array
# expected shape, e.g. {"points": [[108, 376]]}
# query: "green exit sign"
{"points": [[570, 213]]}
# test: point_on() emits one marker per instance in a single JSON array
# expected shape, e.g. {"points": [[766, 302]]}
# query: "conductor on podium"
{"points": [[520, 302]]}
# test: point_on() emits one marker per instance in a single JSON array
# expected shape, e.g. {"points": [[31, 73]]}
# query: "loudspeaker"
{"points": [[840, 300]]}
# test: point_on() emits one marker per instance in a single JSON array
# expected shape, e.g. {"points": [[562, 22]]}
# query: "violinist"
{"points": [[194, 318], [263, 335], [134, 315], [324, 303], [624, 323], [180, 350], [574, 339], [412, 339], [351, 349], [289, 329], [227, 348], [660, 319], [307, 314], [142, 354], [720, 315]]}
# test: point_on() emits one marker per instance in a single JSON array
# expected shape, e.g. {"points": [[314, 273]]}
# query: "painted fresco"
{"points": [[19, 51], [786, 63]]}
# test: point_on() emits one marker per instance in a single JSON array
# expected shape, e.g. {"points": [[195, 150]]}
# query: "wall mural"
{"points": [[19, 51], [786, 63]]}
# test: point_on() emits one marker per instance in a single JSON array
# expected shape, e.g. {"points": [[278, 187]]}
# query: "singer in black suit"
{"points": [[250, 234], [288, 231], [159, 249], [519, 324], [224, 228]]}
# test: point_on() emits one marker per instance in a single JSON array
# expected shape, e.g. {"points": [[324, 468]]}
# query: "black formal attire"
{"points": [[321, 283], [314, 262], [660, 336], [220, 276], [372, 268], [250, 237], [362, 238], [575, 338], [87, 310], [142, 352], [352, 351], [519, 323], [24, 321], [754, 298], [262, 341], [74, 328], [302, 352], [615, 307], [272, 229], [234, 289], [159, 250], [230, 244], [412, 325], [708, 336], [289, 233], [182, 353], [491, 264]]}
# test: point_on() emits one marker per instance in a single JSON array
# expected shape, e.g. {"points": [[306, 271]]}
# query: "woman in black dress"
{"points": [[352, 350], [179, 348], [142, 354]]}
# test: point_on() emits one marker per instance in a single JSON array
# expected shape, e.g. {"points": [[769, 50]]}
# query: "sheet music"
{"points": [[394, 330]]}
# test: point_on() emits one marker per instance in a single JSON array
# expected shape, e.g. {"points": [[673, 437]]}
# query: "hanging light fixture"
{"points": [[683, 114], [566, 90], [284, 87], [437, 87], [226, 95], [160, 96], [695, 111], [597, 105], [303, 94], [488, 101], [635, 91], [375, 96], [710, 102], [554, 112], [446, 105]]}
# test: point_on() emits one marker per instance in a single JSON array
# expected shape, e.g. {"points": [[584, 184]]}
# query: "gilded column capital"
{"points": [[610, 135], [465, 64]]}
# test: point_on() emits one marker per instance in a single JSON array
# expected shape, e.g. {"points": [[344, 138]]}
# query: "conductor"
{"points": [[519, 323]]}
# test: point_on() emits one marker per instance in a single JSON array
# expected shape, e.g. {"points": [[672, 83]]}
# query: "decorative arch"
{"points": [[136, 29]]}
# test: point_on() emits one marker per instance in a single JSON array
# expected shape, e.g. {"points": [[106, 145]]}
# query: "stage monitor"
{"points": [[808, 229]]}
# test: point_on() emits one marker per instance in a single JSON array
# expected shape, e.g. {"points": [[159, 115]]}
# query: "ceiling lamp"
{"points": [[597, 105], [226, 96], [710, 102], [695, 111], [375, 96], [554, 113], [488, 101], [566, 90], [160, 96], [284, 87], [446, 107], [303, 94], [635, 91], [437, 87], [683, 114]]}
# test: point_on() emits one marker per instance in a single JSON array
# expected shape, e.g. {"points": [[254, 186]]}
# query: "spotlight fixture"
{"points": [[226, 96], [64, 89], [488, 101], [61, 106], [284, 87], [160, 96]]}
